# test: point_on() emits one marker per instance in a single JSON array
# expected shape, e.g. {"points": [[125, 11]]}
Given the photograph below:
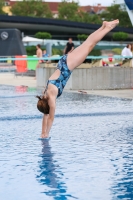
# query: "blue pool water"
{"points": [[89, 156]]}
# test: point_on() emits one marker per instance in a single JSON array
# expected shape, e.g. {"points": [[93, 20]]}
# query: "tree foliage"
{"points": [[71, 11], [95, 52], [68, 11], [82, 37], [1, 7], [56, 51], [117, 51], [43, 35], [120, 36], [33, 8], [31, 50], [89, 18], [117, 12]]}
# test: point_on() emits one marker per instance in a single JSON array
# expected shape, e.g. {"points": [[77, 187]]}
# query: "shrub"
{"points": [[43, 35], [31, 50], [117, 51], [120, 36], [95, 52], [82, 37], [57, 51]]}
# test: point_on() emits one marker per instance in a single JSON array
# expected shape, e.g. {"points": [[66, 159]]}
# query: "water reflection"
{"points": [[49, 176], [21, 89], [123, 165], [123, 185]]}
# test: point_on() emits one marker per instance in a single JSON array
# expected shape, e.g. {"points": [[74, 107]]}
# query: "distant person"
{"points": [[126, 52], [39, 54], [45, 55], [69, 46], [132, 48]]}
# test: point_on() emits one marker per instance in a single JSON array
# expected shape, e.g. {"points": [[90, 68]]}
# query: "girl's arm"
{"points": [[44, 125], [50, 118]]}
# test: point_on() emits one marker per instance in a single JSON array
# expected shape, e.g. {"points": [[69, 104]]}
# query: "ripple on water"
{"points": [[89, 156]]}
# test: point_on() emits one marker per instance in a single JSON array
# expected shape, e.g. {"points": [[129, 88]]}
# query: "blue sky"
{"points": [[91, 2]]}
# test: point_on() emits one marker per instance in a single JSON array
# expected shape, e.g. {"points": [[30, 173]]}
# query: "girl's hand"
{"points": [[44, 135]]}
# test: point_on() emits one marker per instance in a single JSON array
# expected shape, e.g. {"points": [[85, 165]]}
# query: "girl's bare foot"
{"points": [[104, 23], [43, 135], [111, 24]]}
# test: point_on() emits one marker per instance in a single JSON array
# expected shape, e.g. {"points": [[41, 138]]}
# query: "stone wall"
{"points": [[97, 78]]}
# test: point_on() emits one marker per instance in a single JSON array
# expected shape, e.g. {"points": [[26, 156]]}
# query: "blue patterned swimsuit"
{"points": [[64, 76]]}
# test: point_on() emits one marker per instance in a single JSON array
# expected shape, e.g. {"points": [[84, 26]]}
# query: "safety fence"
{"points": [[25, 63], [6, 60], [91, 74], [13, 58]]}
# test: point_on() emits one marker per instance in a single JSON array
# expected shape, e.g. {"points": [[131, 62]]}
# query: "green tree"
{"points": [[87, 18], [56, 51], [95, 52], [117, 51], [117, 12], [1, 7], [43, 35], [33, 8], [31, 50], [71, 11], [82, 37], [68, 11], [120, 36]]}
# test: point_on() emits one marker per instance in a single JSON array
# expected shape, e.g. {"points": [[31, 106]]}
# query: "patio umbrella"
{"points": [[28, 39]]}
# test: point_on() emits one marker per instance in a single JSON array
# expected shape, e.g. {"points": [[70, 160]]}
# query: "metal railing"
{"points": [[7, 59]]}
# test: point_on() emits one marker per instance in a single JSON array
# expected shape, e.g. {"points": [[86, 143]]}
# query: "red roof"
{"points": [[93, 8], [53, 5]]}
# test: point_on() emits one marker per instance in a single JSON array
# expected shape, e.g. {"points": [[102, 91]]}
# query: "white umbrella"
{"points": [[28, 39]]}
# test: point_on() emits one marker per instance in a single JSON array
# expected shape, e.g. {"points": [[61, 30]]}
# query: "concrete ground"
{"points": [[10, 79], [128, 93]]}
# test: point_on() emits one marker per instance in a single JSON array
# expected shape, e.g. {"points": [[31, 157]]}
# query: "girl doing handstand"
{"points": [[46, 103]]}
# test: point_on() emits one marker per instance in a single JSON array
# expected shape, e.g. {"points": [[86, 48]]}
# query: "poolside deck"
{"points": [[10, 79]]}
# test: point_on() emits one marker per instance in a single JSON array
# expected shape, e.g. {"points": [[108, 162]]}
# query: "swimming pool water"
{"points": [[89, 156]]}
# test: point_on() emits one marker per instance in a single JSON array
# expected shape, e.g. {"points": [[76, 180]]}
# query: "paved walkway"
{"points": [[128, 93], [10, 79]]}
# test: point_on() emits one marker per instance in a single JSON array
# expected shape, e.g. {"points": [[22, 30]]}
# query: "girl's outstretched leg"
{"points": [[78, 55]]}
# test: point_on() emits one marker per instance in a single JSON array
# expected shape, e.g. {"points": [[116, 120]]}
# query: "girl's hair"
{"points": [[132, 47], [38, 45], [42, 105], [128, 45]]}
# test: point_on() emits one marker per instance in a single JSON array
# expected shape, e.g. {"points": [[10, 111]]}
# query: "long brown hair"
{"points": [[42, 104]]}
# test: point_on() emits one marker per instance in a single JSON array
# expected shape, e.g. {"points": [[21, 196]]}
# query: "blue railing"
{"points": [[118, 57]]}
